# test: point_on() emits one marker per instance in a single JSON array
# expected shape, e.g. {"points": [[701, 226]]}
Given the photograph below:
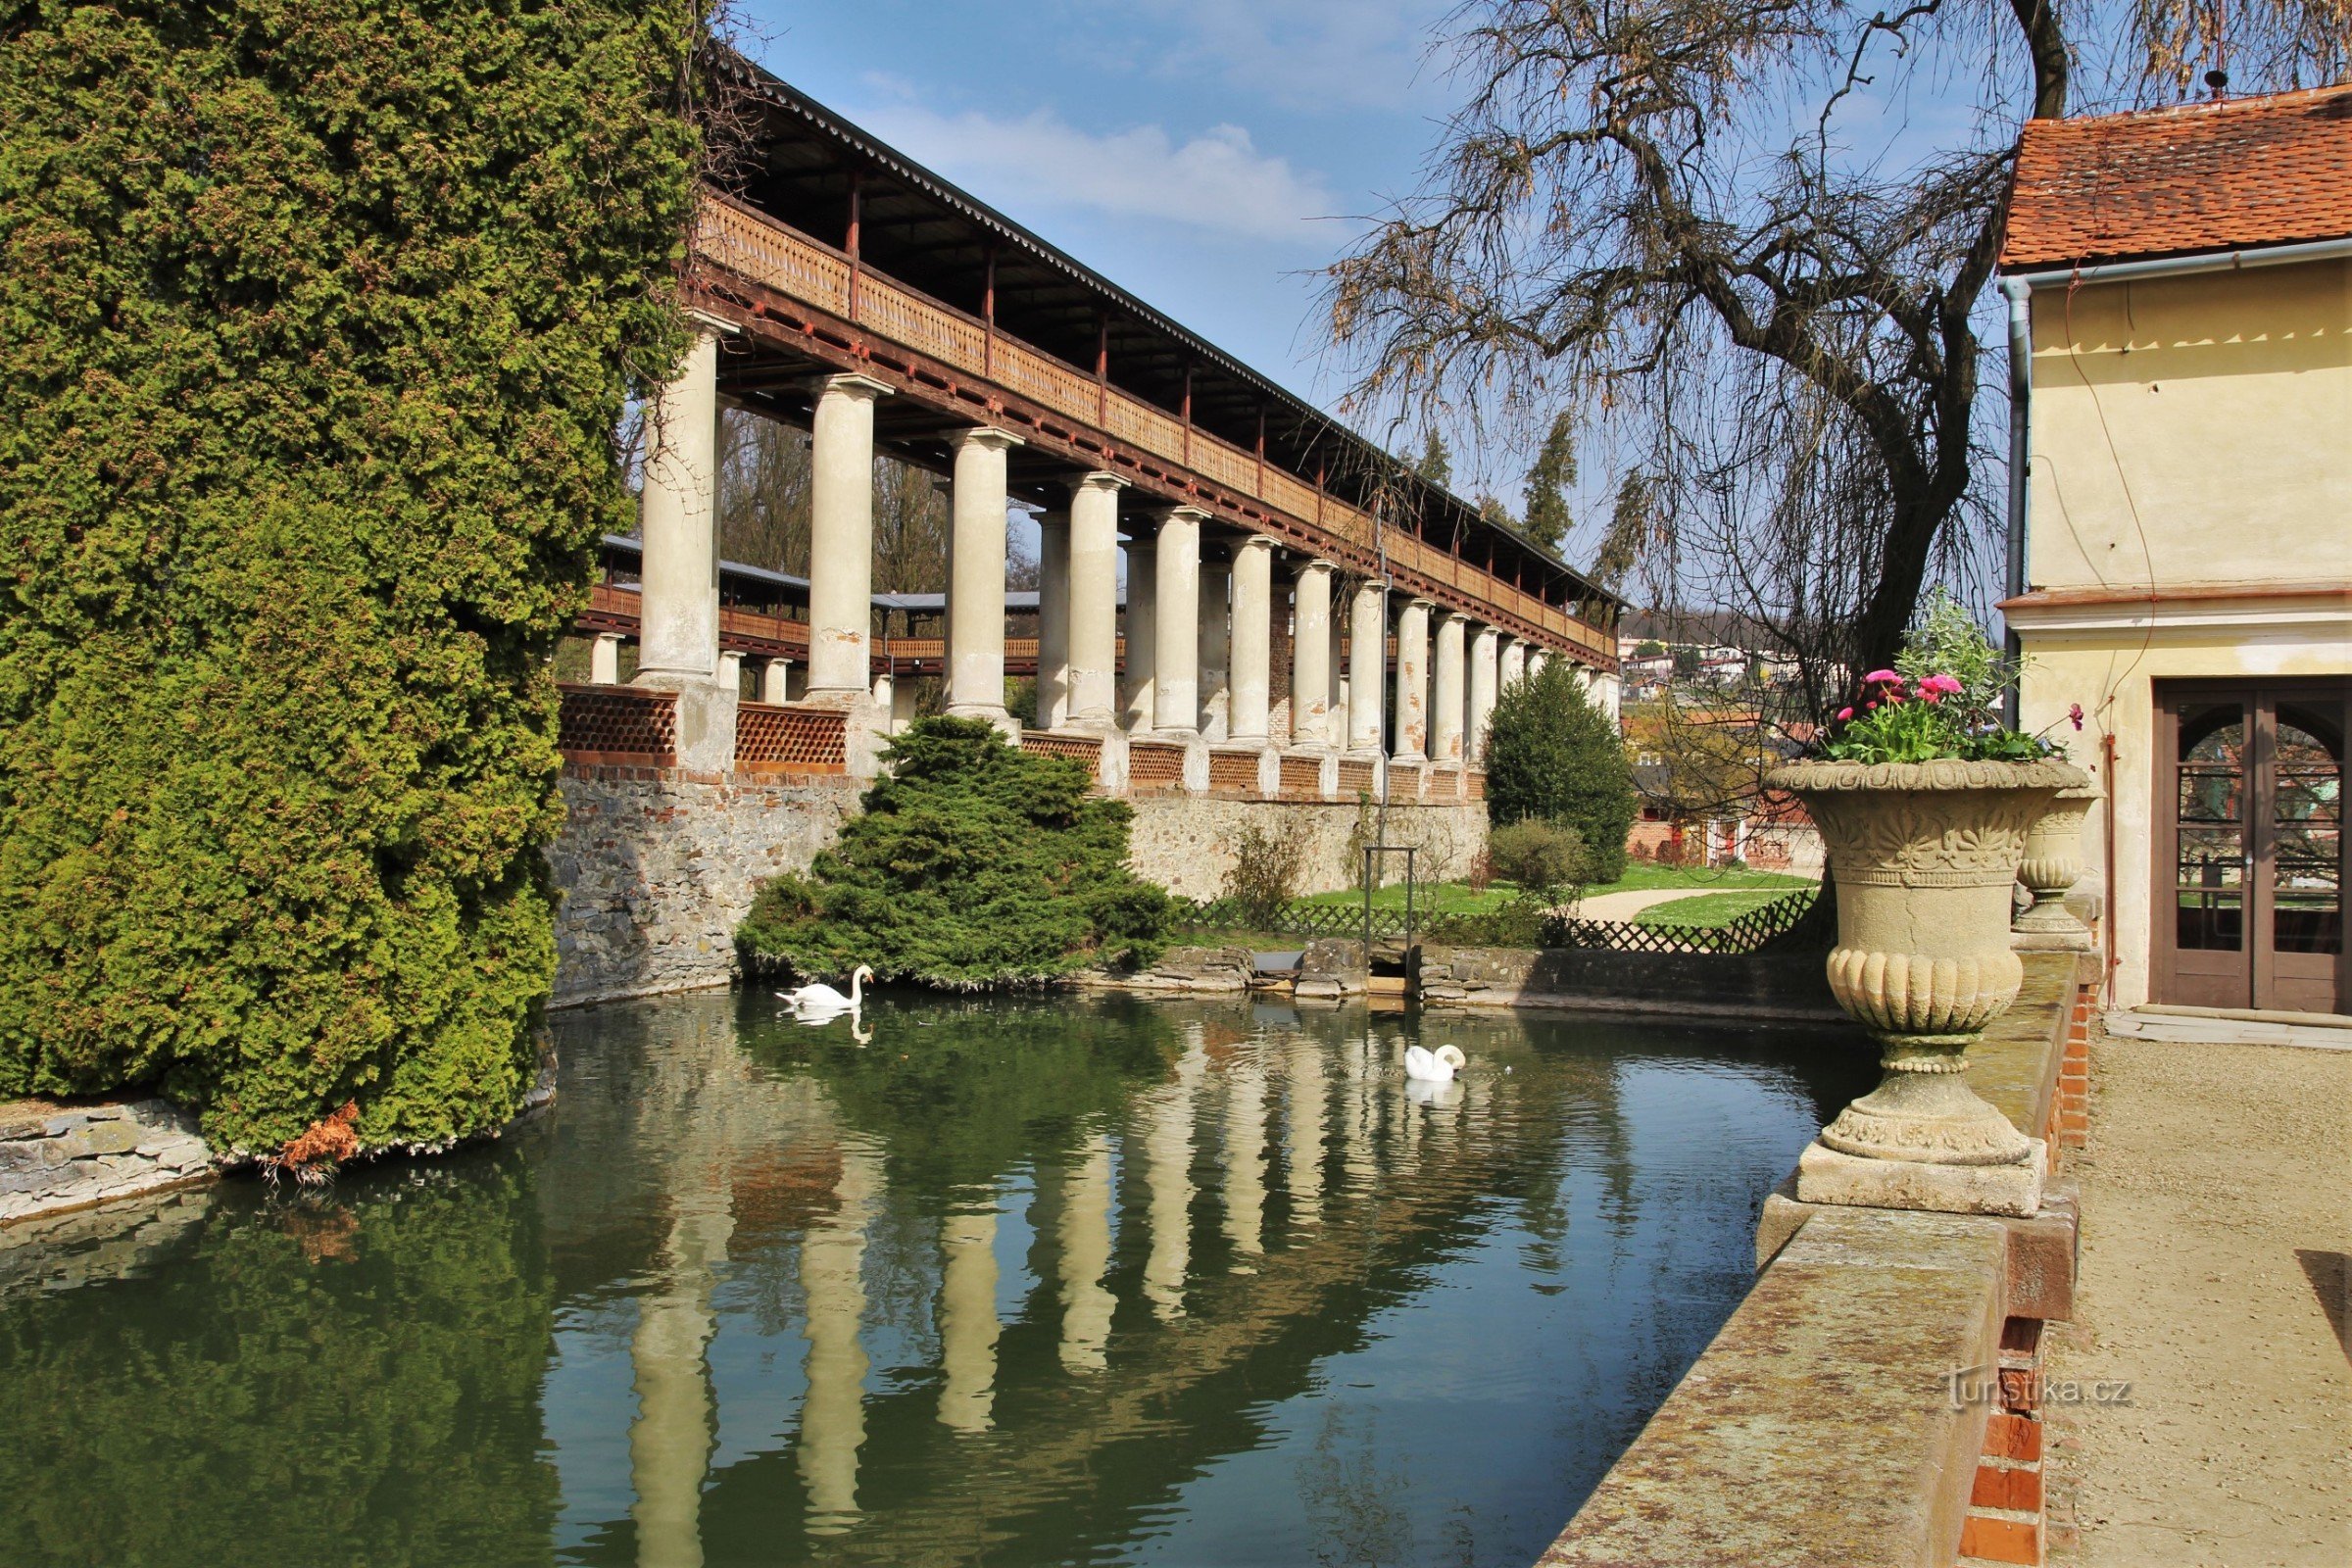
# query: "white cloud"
{"points": [[1217, 181], [1307, 54]]}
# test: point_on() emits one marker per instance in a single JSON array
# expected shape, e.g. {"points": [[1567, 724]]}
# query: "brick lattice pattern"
{"points": [[1302, 778], [611, 723], [1154, 766], [1357, 778], [1233, 773], [1087, 754], [775, 739]]}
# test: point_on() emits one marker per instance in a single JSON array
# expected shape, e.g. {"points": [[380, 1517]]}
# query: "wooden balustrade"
{"points": [[756, 247]]}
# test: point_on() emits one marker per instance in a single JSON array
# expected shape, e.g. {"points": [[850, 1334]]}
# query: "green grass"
{"points": [[1709, 909], [1456, 898]]}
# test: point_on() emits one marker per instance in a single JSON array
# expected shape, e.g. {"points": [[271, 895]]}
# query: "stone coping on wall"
{"points": [[1779, 987], [1820, 1425], [56, 1159]]}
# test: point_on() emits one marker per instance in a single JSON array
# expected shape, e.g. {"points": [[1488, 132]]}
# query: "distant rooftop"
{"points": [[2211, 176]]}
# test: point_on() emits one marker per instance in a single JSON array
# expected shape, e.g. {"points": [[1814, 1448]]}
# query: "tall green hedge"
{"points": [[315, 320], [1553, 756]]}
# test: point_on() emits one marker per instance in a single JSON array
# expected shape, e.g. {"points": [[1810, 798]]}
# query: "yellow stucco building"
{"points": [[2181, 294]]}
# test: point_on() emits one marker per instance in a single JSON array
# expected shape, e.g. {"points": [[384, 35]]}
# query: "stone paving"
{"points": [[2217, 1219]]}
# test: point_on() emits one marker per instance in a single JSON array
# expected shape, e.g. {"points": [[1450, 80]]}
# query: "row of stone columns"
{"points": [[1200, 630]]}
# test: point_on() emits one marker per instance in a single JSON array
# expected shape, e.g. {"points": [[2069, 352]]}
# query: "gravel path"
{"points": [[2217, 1219], [1625, 905]]}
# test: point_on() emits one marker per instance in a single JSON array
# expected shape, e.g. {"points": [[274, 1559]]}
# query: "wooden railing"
{"points": [[756, 247]]}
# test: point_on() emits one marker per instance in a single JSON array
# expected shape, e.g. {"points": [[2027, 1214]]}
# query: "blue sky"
{"points": [[1208, 155]]}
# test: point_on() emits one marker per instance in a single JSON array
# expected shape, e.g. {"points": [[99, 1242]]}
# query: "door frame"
{"points": [[2259, 697]]}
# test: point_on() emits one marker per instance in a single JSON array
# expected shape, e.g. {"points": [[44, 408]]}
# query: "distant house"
{"points": [[2180, 288]]}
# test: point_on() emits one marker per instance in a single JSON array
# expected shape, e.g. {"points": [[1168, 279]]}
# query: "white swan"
{"points": [[1434, 1066], [822, 997]]}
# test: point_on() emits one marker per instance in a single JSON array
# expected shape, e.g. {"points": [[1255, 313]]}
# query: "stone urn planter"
{"points": [[2052, 863], [1924, 855]]}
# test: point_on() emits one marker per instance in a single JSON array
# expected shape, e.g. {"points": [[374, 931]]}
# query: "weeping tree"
{"points": [[1686, 223]]}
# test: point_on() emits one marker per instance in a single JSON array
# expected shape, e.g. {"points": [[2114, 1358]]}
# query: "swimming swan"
{"points": [[822, 997], [1434, 1066]]}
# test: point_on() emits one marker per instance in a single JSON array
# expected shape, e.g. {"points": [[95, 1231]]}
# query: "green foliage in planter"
{"points": [[976, 863], [1553, 756], [319, 319]]}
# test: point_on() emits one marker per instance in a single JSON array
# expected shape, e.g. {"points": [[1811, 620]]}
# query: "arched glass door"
{"points": [[2250, 846]]}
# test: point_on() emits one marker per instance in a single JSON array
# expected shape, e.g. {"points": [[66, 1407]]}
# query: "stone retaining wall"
{"points": [[1185, 843], [1788, 987], [655, 867], [94, 1153]]}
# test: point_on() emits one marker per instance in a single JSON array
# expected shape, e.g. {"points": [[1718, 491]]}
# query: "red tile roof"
{"points": [[2212, 176]]}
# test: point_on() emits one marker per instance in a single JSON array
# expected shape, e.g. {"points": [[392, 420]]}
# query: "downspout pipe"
{"points": [[2021, 396]]}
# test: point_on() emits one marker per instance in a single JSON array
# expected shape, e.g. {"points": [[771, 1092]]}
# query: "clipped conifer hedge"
{"points": [[1553, 756], [975, 865], [317, 319]]}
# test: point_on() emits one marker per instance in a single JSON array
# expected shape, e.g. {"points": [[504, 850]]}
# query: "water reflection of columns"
{"points": [[967, 1316], [1246, 1158], [1086, 1307], [670, 1441], [1168, 1171], [1303, 1147], [833, 1412], [1360, 1159]]}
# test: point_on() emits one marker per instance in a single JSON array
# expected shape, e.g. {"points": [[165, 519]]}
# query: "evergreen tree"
{"points": [[1549, 481], [319, 321], [1554, 757], [976, 863], [1435, 463]]}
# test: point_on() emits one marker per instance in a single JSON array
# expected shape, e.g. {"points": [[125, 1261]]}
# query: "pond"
{"points": [[1071, 1280]]}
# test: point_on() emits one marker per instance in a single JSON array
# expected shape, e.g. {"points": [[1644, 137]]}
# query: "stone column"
{"points": [[1412, 681], [976, 578], [776, 681], [677, 513], [1446, 722], [1053, 619], [1310, 655], [1176, 658], [1539, 659], [1085, 1236], [1336, 724], [1513, 663], [1481, 691], [967, 1316], [730, 671], [603, 659], [1367, 656], [841, 536], [1252, 676], [1095, 601], [1137, 707], [1216, 581]]}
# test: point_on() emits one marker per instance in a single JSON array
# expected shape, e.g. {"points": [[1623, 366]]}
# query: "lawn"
{"points": [[1641, 876], [1709, 909]]}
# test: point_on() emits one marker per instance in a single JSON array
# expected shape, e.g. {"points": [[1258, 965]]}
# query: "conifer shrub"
{"points": [[975, 863], [319, 319], [1553, 756]]}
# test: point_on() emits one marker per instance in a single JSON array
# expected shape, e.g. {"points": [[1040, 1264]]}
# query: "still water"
{"points": [[1079, 1280]]}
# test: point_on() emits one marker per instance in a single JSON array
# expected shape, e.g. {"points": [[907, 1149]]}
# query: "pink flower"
{"points": [[1934, 686], [1882, 677], [2074, 714], [1844, 713], [1870, 706]]}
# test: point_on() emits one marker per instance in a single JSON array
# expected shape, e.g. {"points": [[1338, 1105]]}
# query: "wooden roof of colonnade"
{"points": [[835, 251]]}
